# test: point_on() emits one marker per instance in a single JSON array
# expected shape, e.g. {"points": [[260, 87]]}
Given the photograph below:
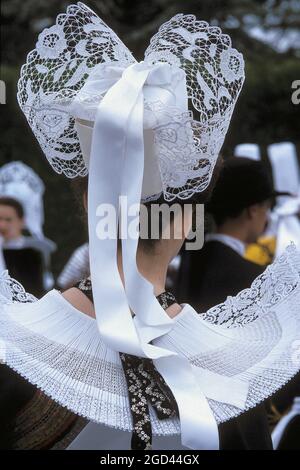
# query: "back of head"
{"points": [[242, 183]]}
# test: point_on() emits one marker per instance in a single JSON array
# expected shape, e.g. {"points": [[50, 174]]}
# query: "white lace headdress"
{"points": [[141, 129], [79, 59], [20, 182]]}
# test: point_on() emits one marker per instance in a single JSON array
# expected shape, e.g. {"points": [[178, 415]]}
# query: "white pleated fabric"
{"points": [[76, 269], [240, 351]]}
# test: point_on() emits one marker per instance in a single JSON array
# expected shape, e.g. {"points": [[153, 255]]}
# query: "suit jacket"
{"points": [[212, 274], [215, 272], [15, 392]]}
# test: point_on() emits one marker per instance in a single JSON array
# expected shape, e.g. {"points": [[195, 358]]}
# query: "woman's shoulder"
{"points": [[80, 297]]}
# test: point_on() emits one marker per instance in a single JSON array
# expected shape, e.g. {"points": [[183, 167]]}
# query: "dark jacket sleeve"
{"points": [[15, 392]]}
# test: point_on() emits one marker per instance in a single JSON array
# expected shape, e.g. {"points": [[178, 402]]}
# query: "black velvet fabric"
{"points": [[15, 392], [26, 266]]}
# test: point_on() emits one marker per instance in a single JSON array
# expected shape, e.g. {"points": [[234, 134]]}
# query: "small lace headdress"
{"points": [[20, 182], [141, 129]]}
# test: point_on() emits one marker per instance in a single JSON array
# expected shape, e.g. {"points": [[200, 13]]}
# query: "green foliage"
{"points": [[265, 112]]}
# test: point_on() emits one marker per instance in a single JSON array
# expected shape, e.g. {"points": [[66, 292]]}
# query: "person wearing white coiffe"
{"points": [[80, 90], [21, 184], [286, 174], [23, 260]]}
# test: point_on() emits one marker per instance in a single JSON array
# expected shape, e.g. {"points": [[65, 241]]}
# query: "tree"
{"points": [[136, 21]]}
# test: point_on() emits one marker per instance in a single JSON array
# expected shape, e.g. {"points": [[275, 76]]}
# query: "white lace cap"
{"points": [[54, 81], [20, 182], [247, 150]]}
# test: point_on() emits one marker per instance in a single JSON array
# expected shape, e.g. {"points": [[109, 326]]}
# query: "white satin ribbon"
{"points": [[116, 150], [287, 224], [116, 168]]}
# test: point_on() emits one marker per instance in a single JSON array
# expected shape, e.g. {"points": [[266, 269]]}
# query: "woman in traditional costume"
{"points": [[94, 109]]}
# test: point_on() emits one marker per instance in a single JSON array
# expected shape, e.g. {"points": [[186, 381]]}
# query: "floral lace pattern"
{"points": [[187, 150], [271, 287], [12, 291], [187, 145], [214, 70], [55, 71]]}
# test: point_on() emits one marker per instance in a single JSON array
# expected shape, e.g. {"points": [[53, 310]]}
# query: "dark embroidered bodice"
{"points": [[145, 385]]}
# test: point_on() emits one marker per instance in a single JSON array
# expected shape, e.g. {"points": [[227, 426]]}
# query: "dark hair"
{"points": [[220, 217], [242, 183], [80, 188], [11, 202], [197, 198]]}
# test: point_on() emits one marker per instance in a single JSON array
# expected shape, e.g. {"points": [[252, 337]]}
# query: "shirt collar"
{"points": [[237, 245], [16, 243]]}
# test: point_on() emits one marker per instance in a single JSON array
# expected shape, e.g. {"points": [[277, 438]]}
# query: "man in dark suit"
{"points": [[239, 204]]}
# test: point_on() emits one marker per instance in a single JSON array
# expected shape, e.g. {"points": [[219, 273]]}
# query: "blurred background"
{"points": [[266, 31]]}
